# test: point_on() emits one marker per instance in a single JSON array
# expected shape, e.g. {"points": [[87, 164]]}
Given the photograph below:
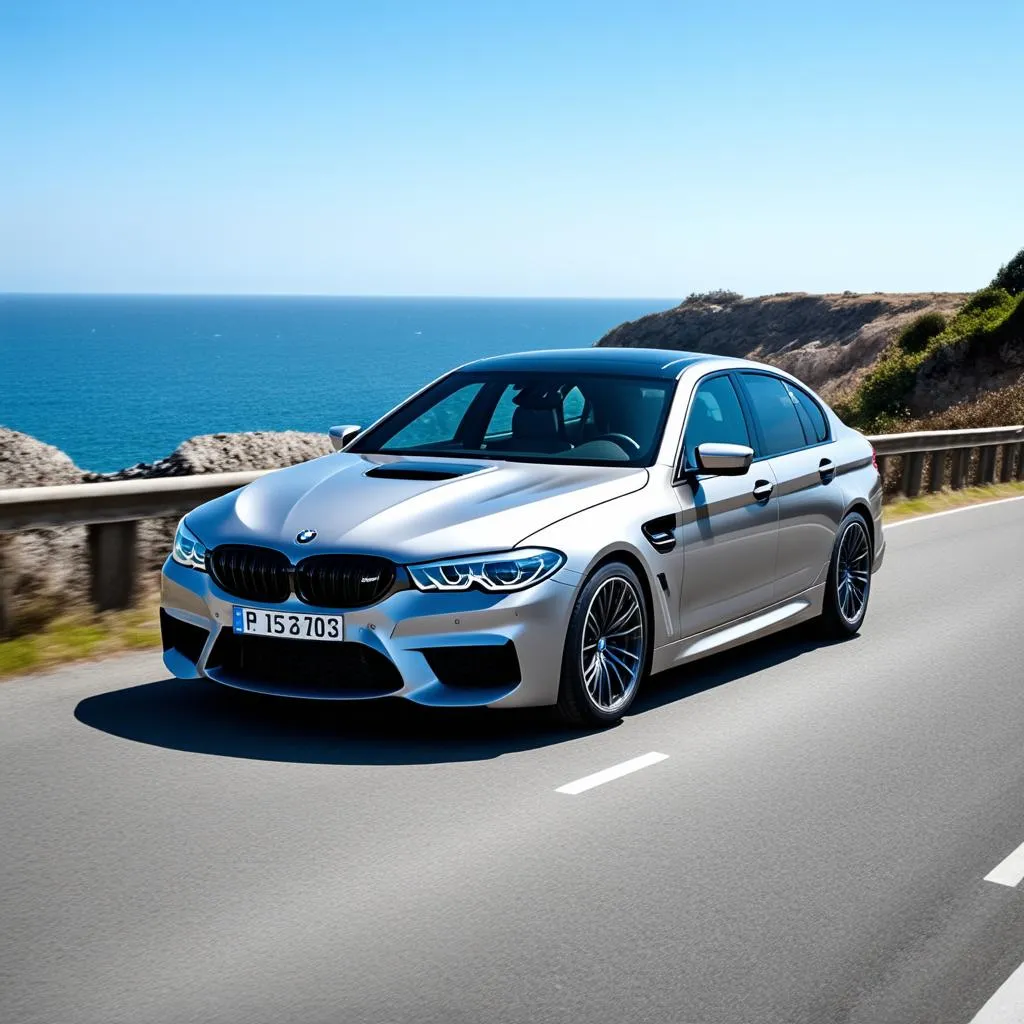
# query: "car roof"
{"points": [[648, 362]]}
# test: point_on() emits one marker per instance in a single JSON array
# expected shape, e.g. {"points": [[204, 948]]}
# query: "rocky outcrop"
{"points": [[827, 340], [43, 566], [26, 461], [228, 453]]}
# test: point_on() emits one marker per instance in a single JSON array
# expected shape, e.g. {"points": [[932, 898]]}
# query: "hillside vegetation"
{"points": [[933, 365], [885, 361]]}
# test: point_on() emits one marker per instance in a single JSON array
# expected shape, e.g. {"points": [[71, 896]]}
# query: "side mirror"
{"points": [[343, 435], [724, 459]]}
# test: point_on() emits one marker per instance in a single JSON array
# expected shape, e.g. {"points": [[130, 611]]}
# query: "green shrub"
{"points": [[916, 335], [885, 390], [982, 313], [1011, 275], [988, 298], [718, 297]]}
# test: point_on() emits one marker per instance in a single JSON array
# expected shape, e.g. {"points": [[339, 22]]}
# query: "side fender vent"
{"points": [[660, 533]]}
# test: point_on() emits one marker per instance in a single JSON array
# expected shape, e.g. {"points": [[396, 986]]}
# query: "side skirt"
{"points": [[769, 620]]}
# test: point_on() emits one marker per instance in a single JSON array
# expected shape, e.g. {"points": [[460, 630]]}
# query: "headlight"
{"points": [[503, 571], [188, 548]]}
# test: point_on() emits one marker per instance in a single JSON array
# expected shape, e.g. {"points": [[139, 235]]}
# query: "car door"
{"points": [[793, 435], [729, 523]]}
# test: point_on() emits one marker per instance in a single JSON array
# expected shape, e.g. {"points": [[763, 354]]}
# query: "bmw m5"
{"points": [[547, 528]]}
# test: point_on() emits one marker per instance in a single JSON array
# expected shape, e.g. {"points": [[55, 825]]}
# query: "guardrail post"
{"points": [[957, 464], [1006, 470], [938, 471], [1019, 448], [6, 587], [913, 464], [987, 465], [880, 459], [112, 564]]}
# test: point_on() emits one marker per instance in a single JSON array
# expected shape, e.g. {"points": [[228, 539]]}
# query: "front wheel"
{"points": [[849, 579], [605, 648]]}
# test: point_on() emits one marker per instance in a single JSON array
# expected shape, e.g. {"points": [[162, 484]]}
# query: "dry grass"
{"points": [[941, 501], [1003, 407], [79, 635]]}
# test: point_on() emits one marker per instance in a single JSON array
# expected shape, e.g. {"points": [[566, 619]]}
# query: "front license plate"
{"points": [[295, 625]]}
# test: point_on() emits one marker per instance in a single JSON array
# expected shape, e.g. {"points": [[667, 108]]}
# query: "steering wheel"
{"points": [[617, 439]]}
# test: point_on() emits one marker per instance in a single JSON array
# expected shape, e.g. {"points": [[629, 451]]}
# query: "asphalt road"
{"points": [[813, 848]]}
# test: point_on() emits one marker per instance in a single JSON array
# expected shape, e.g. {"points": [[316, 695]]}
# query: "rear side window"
{"points": [[812, 419], [776, 413], [715, 415]]}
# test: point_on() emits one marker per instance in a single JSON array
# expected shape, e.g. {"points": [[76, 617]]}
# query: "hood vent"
{"points": [[421, 471]]}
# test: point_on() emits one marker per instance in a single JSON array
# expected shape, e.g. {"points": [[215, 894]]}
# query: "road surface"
{"points": [[813, 848]]}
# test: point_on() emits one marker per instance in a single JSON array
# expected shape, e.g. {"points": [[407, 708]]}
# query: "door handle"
{"points": [[827, 470], [763, 490]]}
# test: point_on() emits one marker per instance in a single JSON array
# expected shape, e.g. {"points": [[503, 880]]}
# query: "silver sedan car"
{"points": [[538, 529]]}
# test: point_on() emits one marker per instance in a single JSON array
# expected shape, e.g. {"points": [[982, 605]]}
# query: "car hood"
{"points": [[407, 509]]}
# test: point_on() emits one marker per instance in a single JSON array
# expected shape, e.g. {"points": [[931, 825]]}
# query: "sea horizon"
{"points": [[118, 379], [326, 295]]}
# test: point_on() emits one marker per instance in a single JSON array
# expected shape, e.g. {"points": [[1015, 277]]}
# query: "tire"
{"points": [[602, 673], [848, 585]]}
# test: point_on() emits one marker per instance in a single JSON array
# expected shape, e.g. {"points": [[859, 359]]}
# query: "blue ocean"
{"points": [[115, 380]]}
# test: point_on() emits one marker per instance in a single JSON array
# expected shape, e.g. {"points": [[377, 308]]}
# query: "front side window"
{"points": [[532, 416], [715, 415], [776, 413]]}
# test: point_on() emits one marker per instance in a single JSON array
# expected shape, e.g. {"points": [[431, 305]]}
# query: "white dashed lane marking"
{"points": [[1010, 871], [610, 774]]}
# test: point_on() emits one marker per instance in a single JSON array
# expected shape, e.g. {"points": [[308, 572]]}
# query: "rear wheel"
{"points": [[605, 648], [849, 579]]}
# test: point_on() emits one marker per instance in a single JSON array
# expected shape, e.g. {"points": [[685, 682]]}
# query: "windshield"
{"points": [[575, 418]]}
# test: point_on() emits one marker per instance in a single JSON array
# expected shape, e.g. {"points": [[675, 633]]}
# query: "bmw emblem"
{"points": [[306, 536]]}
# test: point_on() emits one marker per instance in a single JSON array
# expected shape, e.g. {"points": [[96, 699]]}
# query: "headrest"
{"points": [[538, 398], [527, 422]]}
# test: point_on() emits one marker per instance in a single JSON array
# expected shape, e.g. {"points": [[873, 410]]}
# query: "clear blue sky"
{"points": [[536, 148]]}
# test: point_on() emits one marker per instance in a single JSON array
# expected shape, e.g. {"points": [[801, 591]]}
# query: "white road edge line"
{"points": [[1009, 871], [609, 774], [947, 512], [1007, 1003]]}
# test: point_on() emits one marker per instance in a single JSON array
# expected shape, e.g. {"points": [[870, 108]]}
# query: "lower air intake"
{"points": [[474, 666], [302, 668]]}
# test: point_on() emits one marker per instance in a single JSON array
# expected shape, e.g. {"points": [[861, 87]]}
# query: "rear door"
{"points": [[730, 523], [794, 439]]}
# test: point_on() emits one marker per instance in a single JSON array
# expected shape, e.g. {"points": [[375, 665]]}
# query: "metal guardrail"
{"points": [[1000, 457], [27, 508], [110, 511]]}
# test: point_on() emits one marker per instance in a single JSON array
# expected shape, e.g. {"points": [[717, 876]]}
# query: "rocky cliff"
{"points": [[827, 340]]}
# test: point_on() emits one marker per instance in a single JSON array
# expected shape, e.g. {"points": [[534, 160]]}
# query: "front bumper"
{"points": [[400, 629]]}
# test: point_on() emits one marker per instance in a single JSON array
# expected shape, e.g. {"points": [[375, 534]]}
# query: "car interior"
{"points": [[586, 418]]}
